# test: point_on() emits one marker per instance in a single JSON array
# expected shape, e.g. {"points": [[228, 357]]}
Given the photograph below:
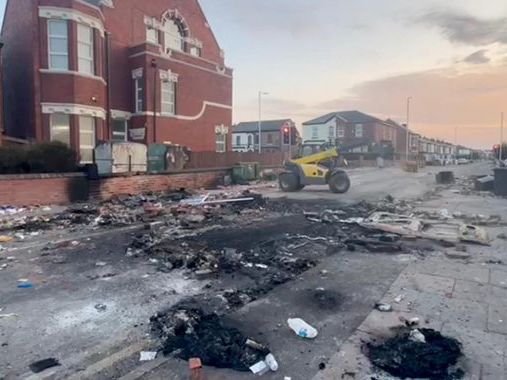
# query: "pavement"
{"points": [[460, 294]]}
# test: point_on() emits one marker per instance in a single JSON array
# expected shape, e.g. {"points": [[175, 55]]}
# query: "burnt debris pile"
{"points": [[189, 332], [405, 357]]}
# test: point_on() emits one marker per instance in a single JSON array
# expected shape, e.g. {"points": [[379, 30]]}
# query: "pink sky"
{"points": [[315, 57]]}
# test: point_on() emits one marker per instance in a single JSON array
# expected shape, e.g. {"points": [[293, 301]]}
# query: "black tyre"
{"points": [[339, 183], [289, 182]]}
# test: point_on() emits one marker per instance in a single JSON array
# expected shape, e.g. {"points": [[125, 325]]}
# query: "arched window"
{"points": [[173, 35], [250, 140]]}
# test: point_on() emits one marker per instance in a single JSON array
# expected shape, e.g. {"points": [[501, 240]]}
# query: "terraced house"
{"points": [[84, 71]]}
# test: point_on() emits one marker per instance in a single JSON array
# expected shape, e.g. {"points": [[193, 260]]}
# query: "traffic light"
{"points": [[286, 135]]}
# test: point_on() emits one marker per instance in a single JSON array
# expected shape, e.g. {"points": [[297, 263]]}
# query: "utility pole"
{"points": [[408, 129], [455, 143], [155, 82], [260, 120], [290, 141], [501, 137]]}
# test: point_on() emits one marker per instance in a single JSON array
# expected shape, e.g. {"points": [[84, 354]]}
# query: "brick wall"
{"points": [[106, 188], [48, 189], [33, 190]]}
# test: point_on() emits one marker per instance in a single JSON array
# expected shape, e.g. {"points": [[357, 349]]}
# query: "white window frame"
{"points": [[52, 126], [167, 97], [340, 131], [238, 140], [152, 38], [315, 132], [359, 130], [86, 64], [221, 142], [138, 94], [62, 37], [92, 132], [173, 40], [332, 132], [124, 133], [196, 51]]}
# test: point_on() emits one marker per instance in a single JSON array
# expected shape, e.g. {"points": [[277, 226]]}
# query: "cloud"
{"points": [[477, 58], [465, 29], [441, 100]]}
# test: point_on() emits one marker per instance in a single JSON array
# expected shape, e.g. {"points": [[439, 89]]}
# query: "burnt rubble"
{"points": [[404, 357], [188, 332]]}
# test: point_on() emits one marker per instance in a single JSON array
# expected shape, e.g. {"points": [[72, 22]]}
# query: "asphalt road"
{"points": [[373, 184]]}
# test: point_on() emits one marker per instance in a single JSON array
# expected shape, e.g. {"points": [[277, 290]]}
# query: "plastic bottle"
{"points": [[271, 362], [302, 328]]}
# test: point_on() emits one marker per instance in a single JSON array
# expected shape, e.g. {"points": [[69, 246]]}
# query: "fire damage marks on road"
{"points": [[243, 247], [423, 353], [243, 265]]}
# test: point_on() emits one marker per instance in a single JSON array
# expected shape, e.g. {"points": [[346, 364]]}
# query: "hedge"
{"points": [[47, 157]]}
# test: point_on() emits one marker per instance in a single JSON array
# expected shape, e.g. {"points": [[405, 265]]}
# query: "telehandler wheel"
{"points": [[289, 182], [339, 183]]}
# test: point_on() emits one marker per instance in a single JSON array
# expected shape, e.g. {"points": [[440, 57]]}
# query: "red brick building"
{"points": [[84, 71], [352, 131]]}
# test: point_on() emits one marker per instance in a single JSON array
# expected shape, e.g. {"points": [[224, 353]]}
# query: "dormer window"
{"points": [[173, 36]]}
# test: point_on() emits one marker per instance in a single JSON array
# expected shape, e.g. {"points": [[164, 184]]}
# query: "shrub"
{"points": [[46, 157], [13, 160]]}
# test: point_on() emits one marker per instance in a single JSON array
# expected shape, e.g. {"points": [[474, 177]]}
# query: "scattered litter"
{"points": [[301, 328], [25, 285], [399, 298], [189, 332], [12, 315], [271, 362], [100, 307], [146, 356], [502, 236], [255, 345], [445, 177], [194, 363], [409, 322], [6, 239], [42, 365], [417, 336], [384, 307], [486, 183], [402, 357], [100, 264], [446, 231], [259, 368]]}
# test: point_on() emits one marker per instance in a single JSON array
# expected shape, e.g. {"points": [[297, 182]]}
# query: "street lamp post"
{"points": [[260, 119], [154, 65], [501, 138], [408, 129]]}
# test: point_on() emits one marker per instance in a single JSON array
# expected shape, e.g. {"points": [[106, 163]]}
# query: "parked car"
{"points": [[463, 161]]}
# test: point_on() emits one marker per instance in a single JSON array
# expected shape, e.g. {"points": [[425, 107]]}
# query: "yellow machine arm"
{"points": [[317, 157]]}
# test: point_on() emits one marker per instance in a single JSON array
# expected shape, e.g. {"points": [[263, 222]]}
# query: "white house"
{"points": [[321, 130]]}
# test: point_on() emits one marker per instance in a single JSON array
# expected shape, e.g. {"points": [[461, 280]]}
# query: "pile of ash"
{"points": [[404, 357], [188, 332]]}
